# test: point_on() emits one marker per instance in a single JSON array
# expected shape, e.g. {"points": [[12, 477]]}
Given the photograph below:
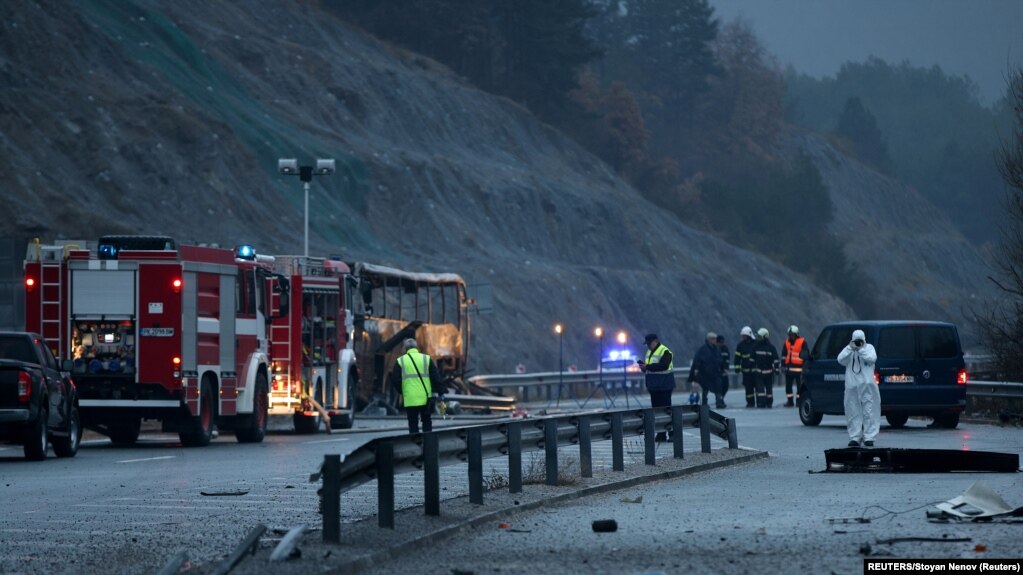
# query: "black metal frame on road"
{"points": [[384, 457]]}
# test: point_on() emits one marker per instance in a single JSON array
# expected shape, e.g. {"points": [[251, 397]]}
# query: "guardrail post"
{"points": [[331, 498], [431, 473], [515, 457], [475, 441], [649, 457], [733, 433], [617, 450], [585, 451], [385, 484], [705, 428], [677, 424], [550, 447]]}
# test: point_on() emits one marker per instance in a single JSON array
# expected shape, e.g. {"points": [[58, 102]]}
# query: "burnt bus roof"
{"points": [[363, 269]]}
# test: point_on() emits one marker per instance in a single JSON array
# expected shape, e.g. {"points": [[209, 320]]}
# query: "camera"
{"points": [[858, 342]]}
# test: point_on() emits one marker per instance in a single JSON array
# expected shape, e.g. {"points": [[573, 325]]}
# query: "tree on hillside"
{"points": [[1003, 326], [745, 102], [859, 127], [668, 46]]}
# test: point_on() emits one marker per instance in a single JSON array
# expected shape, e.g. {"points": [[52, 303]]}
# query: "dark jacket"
{"points": [[725, 357], [706, 367], [744, 355], [765, 356]]}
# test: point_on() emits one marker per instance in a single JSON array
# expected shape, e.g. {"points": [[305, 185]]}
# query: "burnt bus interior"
{"points": [[391, 305]]}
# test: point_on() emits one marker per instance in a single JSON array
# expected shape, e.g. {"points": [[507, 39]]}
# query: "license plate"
{"points": [[157, 332], [899, 379]]}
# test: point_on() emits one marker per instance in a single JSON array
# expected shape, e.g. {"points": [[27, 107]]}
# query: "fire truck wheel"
{"points": [[256, 429], [37, 440], [125, 434], [346, 419], [306, 424], [201, 432]]}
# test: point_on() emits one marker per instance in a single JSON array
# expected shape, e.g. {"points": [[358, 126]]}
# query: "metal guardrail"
{"points": [[384, 457], [995, 389], [523, 383]]}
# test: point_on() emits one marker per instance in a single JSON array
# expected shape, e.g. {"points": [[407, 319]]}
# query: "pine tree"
{"points": [[859, 126]]}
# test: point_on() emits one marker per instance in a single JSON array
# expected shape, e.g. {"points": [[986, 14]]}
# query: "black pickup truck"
{"points": [[38, 403]]}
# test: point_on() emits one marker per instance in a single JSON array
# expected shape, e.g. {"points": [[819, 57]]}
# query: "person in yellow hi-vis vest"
{"points": [[417, 377]]}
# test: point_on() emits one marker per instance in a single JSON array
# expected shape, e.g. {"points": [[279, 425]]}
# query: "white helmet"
{"points": [[762, 332], [794, 329], [747, 331]]}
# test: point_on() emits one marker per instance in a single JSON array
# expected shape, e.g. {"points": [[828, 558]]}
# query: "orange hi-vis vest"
{"points": [[791, 358]]}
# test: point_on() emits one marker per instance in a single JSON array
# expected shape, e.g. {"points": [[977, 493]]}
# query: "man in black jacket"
{"points": [[745, 365], [765, 355], [706, 370]]}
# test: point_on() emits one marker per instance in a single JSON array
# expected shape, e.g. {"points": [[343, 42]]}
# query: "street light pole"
{"points": [[599, 332], [561, 362], [305, 185], [290, 167], [625, 376]]}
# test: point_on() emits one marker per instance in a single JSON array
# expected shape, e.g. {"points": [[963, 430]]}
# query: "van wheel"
{"points": [[806, 413], [256, 429], [37, 440], [200, 431], [897, 420], [67, 446], [946, 420]]}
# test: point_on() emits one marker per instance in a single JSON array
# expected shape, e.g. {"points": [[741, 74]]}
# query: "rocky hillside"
{"points": [[168, 117]]}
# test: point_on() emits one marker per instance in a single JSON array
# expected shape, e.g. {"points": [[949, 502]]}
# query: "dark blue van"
{"points": [[920, 371]]}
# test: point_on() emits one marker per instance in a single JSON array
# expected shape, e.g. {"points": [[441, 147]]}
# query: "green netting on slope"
{"points": [[153, 40]]}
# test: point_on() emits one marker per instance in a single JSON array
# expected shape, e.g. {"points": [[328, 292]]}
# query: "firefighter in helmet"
{"points": [[744, 364], [765, 357], [793, 359]]}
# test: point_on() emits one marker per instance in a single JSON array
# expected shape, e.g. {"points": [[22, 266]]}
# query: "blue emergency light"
{"points": [[245, 252]]}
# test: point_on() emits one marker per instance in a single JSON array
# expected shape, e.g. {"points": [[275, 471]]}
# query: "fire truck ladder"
{"points": [[281, 336], [51, 282]]}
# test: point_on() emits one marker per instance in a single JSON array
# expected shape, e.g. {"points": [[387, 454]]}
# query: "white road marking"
{"points": [[148, 459], [329, 440]]}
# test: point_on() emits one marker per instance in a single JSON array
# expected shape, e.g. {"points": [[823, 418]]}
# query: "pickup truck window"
{"points": [[17, 348], [45, 353]]}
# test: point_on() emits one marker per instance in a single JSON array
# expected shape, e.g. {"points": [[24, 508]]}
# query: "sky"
{"points": [[978, 38]]}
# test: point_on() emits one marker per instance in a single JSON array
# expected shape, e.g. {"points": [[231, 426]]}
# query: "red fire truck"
{"points": [[160, 331], [313, 373]]}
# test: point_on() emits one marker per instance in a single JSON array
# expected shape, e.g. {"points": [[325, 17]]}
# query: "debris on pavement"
{"points": [[924, 539], [237, 493], [605, 526], [288, 547], [978, 503], [632, 500], [846, 520]]}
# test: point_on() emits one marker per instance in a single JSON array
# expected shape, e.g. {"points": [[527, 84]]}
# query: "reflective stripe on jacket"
{"points": [[415, 385]]}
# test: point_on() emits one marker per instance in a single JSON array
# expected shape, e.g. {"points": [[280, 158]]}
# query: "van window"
{"points": [[938, 342], [831, 342], [897, 342]]}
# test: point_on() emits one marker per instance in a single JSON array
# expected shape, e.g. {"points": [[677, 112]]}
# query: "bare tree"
{"points": [[1002, 327]]}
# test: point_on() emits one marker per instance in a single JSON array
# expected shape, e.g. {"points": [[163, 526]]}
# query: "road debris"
{"points": [[924, 539], [237, 493], [288, 547], [632, 500], [248, 545], [978, 503], [605, 526]]}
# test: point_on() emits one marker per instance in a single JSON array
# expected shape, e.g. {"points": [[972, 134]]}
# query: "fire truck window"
{"points": [[259, 292], [246, 293]]}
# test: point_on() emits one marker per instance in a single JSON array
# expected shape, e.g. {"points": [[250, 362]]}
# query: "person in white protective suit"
{"points": [[862, 398]]}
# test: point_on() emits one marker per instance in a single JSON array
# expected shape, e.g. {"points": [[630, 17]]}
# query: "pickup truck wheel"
{"points": [[37, 439], [125, 434], [256, 430], [806, 413], [67, 445]]}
